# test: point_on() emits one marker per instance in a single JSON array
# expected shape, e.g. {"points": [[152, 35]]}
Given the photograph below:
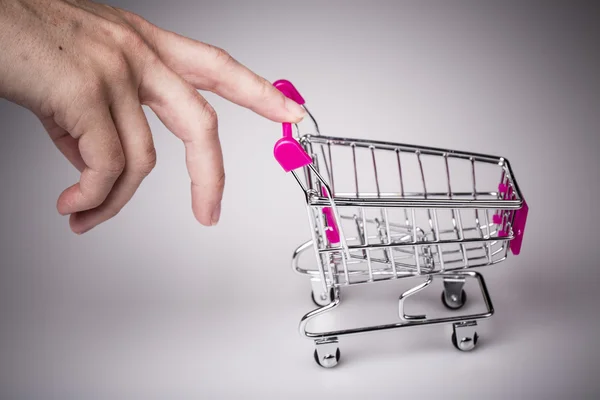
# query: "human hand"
{"points": [[85, 70]]}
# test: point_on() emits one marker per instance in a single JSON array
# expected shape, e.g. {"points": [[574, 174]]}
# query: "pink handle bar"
{"points": [[288, 152], [289, 91], [291, 155]]}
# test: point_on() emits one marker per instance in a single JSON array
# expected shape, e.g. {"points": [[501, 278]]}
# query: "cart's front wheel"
{"points": [[328, 360], [453, 301], [327, 352], [466, 343]]}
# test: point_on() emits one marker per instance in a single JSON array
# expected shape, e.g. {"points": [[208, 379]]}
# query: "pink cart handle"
{"points": [[291, 156], [287, 151], [289, 91]]}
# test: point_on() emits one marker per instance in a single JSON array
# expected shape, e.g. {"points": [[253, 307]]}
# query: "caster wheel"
{"points": [[318, 301], [454, 303], [329, 360], [466, 343]]}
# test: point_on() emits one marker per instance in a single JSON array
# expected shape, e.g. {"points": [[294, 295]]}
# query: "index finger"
{"points": [[207, 67]]}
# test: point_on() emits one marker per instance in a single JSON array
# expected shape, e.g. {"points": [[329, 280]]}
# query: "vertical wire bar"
{"points": [[355, 172], [418, 153], [358, 230], [329, 175], [310, 183], [384, 214], [345, 265], [375, 171], [462, 236], [473, 176], [448, 175], [417, 261], [477, 223], [331, 179], [311, 221], [319, 217], [325, 162], [307, 148], [439, 247], [389, 250], [321, 224], [450, 192], [401, 184], [366, 241], [489, 235], [457, 229], [425, 195]]}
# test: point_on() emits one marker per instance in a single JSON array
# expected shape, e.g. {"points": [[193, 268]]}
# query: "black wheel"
{"points": [[466, 346], [455, 305], [330, 363]]}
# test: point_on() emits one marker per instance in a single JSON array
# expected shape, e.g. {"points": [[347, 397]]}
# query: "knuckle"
{"points": [[122, 33], [145, 164], [209, 114], [221, 56], [92, 197], [116, 63], [91, 93], [210, 118], [114, 164], [136, 43], [93, 86]]}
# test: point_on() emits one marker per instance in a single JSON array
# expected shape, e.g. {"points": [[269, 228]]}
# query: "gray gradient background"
{"points": [[153, 306]]}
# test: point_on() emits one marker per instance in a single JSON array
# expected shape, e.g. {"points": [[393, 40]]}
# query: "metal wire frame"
{"points": [[378, 259], [402, 198], [408, 249], [402, 248]]}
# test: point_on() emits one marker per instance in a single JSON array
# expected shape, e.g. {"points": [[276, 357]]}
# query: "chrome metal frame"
{"points": [[383, 248]]}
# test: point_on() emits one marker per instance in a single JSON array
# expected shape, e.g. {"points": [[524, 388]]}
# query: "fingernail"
{"points": [[216, 214], [297, 110]]}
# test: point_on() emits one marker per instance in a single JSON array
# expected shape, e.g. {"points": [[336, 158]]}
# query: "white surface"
{"points": [[152, 305]]}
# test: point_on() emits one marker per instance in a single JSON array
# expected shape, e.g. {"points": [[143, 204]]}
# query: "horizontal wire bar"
{"points": [[413, 243], [416, 203], [380, 145]]}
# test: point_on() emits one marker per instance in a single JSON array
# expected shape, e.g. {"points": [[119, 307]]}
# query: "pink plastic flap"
{"points": [[288, 152], [519, 228], [519, 218], [332, 232]]}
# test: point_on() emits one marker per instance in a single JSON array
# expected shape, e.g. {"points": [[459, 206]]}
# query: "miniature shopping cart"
{"points": [[380, 211]]}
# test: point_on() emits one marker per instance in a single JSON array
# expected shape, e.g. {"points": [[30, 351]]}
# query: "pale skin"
{"points": [[85, 70]]}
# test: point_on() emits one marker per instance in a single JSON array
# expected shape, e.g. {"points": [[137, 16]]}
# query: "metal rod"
{"points": [[366, 242], [355, 172], [375, 171], [414, 224]]}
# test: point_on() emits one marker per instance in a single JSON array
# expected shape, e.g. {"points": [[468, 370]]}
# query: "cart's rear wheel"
{"points": [[318, 301], [329, 360], [454, 302]]}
